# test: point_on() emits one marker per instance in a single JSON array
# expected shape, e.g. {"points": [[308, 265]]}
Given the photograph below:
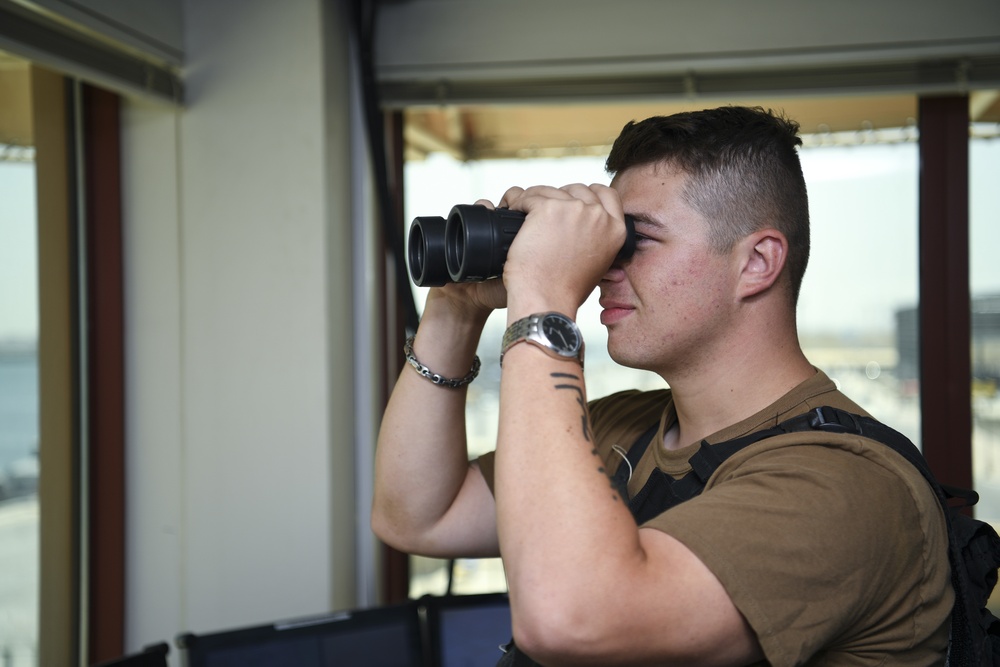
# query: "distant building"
{"points": [[986, 339], [985, 343], [908, 345]]}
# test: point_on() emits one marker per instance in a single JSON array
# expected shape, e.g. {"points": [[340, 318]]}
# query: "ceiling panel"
{"points": [[483, 132], [15, 105]]}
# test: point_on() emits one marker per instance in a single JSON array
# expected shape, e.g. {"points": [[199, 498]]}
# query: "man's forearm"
{"points": [[421, 462], [557, 510]]}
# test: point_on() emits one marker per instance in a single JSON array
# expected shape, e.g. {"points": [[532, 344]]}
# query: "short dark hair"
{"points": [[743, 172]]}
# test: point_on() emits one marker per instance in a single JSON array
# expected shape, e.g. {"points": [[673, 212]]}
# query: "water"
{"points": [[18, 510], [18, 407]]}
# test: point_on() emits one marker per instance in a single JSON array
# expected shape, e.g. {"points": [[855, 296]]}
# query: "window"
{"points": [[487, 179], [19, 399], [863, 199], [863, 205], [42, 528], [984, 277]]}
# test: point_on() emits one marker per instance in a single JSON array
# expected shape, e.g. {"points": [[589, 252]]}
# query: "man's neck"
{"points": [[735, 386]]}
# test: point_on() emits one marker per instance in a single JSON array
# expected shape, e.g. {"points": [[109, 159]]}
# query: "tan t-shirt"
{"points": [[833, 547]]}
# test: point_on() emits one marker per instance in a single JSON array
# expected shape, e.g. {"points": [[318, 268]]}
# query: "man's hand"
{"points": [[476, 300], [570, 237]]}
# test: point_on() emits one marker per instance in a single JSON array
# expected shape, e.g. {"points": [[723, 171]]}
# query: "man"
{"points": [[806, 548]]}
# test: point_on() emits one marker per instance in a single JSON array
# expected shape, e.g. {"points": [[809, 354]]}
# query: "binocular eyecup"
{"points": [[471, 245]]}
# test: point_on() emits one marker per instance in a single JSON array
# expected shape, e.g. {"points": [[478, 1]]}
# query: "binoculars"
{"points": [[471, 245]]}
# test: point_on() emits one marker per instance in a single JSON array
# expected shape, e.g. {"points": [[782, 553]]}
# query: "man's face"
{"points": [[666, 306]]}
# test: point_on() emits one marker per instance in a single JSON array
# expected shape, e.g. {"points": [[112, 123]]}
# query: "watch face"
{"points": [[562, 333]]}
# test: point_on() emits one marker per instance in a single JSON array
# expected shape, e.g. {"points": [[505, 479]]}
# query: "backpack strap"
{"points": [[631, 459], [661, 491], [973, 549]]}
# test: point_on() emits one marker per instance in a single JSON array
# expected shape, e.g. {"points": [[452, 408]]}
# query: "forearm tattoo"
{"points": [[580, 399], [584, 420]]}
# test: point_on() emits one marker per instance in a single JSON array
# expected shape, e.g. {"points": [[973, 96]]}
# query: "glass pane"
{"points": [[857, 309], [18, 380], [984, 276], [467, 182]]}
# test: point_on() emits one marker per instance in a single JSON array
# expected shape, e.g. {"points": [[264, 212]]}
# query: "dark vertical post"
{"points": [[945, 303], [105, 379]]}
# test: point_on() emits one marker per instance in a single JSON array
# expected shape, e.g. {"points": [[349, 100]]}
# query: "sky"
{"points": [[18, 253], [863, 205]]}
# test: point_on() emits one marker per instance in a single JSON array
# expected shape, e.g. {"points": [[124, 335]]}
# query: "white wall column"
{"points": [[238, 301]]}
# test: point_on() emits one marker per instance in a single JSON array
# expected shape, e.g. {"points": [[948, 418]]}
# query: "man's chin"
{"points": [[622, 357]]}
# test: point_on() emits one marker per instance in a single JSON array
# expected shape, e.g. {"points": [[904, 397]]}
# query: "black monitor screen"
{"points": [[384, 637], [467, 631]]}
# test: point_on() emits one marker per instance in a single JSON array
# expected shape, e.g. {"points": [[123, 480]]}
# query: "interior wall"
{"points": [[238, 279]]}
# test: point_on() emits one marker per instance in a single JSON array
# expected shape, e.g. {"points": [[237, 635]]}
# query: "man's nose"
{"points": [[614, 274]]}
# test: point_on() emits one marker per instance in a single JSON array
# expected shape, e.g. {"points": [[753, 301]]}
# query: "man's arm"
{"points": [[429, 499], [586, 585]]}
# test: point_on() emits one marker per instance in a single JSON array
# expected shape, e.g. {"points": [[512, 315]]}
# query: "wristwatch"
{"points": [[555, 333]]}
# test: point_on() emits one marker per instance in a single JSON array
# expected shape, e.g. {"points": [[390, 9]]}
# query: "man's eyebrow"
{"points": [[645, 220]]}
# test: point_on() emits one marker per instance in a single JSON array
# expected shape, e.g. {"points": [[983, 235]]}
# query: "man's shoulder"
{"points": [[816, 391], [837, 466], [819, 390]]}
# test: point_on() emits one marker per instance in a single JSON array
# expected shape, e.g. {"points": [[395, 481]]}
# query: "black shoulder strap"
{"points": [[974, 546], [631, 459], [661, 491]]}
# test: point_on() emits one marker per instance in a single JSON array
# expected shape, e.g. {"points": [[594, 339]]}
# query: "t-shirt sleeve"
{"points": [[810, 541], [615, 418]]}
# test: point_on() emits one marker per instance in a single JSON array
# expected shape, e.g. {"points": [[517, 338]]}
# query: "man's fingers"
{"points": [[510, 197]]}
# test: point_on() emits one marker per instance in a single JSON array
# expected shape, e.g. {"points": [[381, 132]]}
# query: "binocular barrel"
{"points": [[471, 245]]}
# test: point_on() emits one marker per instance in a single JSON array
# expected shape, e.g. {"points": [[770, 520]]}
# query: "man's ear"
{"points": [[764, 254]]}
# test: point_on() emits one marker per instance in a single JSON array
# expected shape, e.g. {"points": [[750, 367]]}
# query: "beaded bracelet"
{"points": [[434, 377]]}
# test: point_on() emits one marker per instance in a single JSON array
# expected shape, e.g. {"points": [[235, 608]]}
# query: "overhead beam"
{"points": [[982, 102], [424, 142], [48, 43], [952, 76]]}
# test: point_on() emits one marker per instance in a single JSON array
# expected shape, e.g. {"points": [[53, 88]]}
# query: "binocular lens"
{"points": [[471, 245], [426, 252], [477, 240]]}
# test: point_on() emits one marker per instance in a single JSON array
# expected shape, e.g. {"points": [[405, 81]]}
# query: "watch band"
{"points": [[565, 341]]}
